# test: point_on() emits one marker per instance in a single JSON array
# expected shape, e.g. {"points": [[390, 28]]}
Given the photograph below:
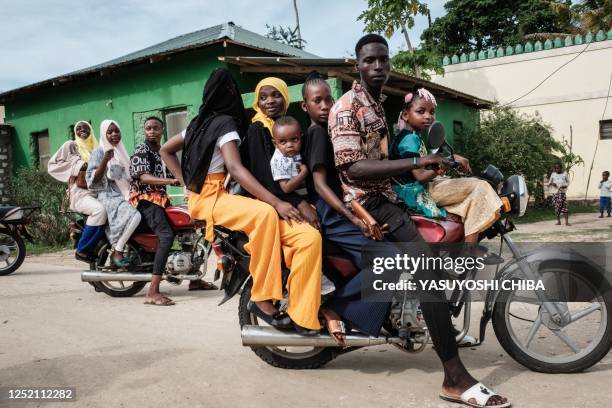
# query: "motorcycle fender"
{"points": [[549, 257], [239, 276]]}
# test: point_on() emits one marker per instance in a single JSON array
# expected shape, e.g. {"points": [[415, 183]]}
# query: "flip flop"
{"points": [[160, 301], [479, 393], [205, 286]]}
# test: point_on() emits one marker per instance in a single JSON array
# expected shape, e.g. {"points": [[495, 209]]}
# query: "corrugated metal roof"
{"points": [[227, 31]]}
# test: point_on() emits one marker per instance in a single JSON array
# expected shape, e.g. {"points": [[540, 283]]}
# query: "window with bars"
{"points": [[40, 148], [605, 129]]}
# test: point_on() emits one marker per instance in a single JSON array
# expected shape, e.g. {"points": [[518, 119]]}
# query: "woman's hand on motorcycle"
{"points": [[464, 164], [433, 162], [309, 214], [288, 212]]}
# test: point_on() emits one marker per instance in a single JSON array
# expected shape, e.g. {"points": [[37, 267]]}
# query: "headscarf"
{"points": [[421, 93], [221, 111], [87, 145], [280, 86], [120, 158], [65, 163]]}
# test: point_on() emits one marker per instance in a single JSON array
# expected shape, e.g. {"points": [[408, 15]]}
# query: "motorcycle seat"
{"points": [[10, 213]]}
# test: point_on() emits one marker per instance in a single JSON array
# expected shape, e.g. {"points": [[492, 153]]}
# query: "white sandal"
{"points": [[479, 393]]}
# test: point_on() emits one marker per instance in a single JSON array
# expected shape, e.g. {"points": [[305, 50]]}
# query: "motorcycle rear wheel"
{"points": [[13, 252], [290, 358], [593, 330], [114, 288]]}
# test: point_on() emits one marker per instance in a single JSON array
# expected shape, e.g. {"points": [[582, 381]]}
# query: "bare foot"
{"points": [[158, 299]]}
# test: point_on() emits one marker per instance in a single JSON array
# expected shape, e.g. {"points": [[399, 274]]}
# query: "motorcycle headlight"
{"points": [[515, 189]]}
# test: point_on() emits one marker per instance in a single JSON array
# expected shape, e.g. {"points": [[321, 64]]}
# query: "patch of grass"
{"points": [[38, 248], [548, 214]]}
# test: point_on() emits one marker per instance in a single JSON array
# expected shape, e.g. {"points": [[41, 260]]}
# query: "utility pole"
{"points": [[297, 22]]}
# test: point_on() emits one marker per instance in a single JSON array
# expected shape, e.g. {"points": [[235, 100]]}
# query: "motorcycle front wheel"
{"points": [[12, 252], [116, 288], [528, 333], [296, 358]]}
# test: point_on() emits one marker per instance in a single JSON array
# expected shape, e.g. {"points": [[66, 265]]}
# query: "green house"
{"points": [[167, 80]]}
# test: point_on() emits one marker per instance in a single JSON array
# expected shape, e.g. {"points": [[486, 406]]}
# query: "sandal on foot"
{"points": [[160, 301], [278, 320], [84, 257], [203, 285], [476, 396], [468, 341], [302, 331], [337, 330], [120, 263]]}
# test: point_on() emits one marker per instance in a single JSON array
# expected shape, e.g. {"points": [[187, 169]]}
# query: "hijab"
{"points": [[221, 112], [280, 86], [65, 163], [87, 145], [120, 158]]}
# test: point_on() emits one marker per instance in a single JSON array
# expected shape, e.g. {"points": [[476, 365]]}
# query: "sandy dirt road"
{"points": [[56, 331]]}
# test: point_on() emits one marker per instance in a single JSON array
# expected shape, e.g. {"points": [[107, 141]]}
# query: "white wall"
{"points": [[1, 114], [573, 96]]}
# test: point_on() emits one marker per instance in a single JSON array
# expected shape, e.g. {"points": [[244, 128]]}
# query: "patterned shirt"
{"points": [[358, 131], [147, 160]]}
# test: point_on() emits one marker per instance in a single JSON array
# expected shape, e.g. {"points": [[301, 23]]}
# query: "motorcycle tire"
{"points": [[130, 290], [20, 254], [506, 337], [317, 358]]}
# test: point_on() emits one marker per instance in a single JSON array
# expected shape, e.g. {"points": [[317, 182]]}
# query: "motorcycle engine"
{"points": [[179, 263]]}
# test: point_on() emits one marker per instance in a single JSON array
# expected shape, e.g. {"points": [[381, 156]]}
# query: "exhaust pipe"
{"points": [[269, 336], [97, 276]]}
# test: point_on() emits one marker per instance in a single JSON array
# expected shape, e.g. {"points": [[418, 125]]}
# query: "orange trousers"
{"points": [[300, 245]]}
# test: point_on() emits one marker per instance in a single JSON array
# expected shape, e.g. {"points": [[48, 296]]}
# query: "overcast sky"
{"points": [[41, 39]]}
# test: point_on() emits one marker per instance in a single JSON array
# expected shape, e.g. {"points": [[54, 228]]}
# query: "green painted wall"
{"points": [[134, 92], [129, 95]]}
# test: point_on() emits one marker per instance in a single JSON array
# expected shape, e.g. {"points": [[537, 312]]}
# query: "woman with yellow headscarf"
{"points": [[300, 241], [85, 139]]}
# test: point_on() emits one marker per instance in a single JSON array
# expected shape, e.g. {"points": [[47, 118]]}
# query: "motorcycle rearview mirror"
{"points": [[436, 137]]}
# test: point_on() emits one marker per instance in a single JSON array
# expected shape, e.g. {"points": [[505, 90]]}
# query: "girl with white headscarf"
{"points": [[108, 175], [65, 166]]}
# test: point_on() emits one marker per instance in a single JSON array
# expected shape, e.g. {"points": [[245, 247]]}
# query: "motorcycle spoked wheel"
{"points": [[571, 348], [296, 358], [12, 252], [116, 288]]}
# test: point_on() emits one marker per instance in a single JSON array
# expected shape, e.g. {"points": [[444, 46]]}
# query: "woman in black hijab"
{"points": [[210, 148]]}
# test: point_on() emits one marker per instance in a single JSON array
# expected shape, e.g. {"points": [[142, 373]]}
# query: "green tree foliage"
{"points": [[35, 187], [471, 25], [516, 144], [584, 16], [388, 16]]}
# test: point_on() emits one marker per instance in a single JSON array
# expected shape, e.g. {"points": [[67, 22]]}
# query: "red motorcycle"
{"points": [[186, 263], [573, 335]]}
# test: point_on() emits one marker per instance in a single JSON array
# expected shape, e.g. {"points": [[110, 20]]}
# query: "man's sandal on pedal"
{"points": [[476, 396]]}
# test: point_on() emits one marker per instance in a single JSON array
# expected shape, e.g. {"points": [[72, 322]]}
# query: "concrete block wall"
{"points": [[5, 161]]}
